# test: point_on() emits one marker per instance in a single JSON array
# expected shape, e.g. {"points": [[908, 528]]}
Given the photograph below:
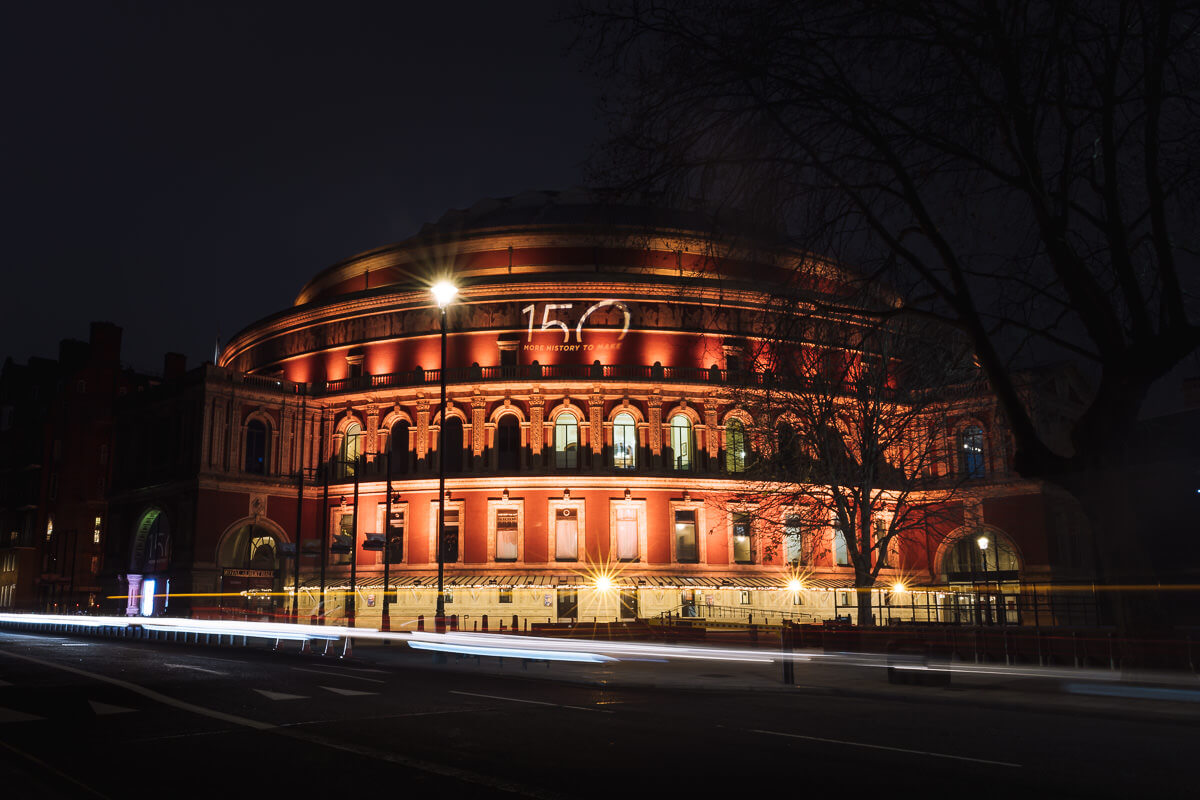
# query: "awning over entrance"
{"points": [[406, 580]]}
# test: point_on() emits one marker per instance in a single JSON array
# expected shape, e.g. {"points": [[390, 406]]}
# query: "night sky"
{"points": [[181, 169]]}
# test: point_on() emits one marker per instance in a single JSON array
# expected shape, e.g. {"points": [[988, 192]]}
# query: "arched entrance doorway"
{"points": [[149, 565], [982, 569], [251, 567]]}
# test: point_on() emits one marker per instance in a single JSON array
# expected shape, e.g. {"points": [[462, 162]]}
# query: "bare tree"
{"points": [[1023, 172], [852, 438]]}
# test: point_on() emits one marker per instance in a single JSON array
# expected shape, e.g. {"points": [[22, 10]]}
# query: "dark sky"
{"points": [[181, 169]]}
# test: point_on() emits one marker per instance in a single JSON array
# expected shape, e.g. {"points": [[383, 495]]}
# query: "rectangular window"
{"points": [[449, 595], [744, 598], [627, 534], [793, 538], [341, 541], [566, 535], [506, 595], [685, 537], [96, 526], [742, 552], [393, 530], [450, 545], [506, 534], [841, 553], [884, 552]]}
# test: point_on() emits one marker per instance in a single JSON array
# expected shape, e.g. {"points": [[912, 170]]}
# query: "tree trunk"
{"points": [[863, 585], [1125, 578]]}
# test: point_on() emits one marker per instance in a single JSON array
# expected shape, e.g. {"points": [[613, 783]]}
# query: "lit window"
{"points": [[685, 537], [506, 534], [566, 442], [627, 533], [351, 449], [742, 552], [970, 452], [49, 528], [506, 594], [681, 441], [841, 552], [735, 446], [97, 524], [566, 535], [793, 537], [624, 441]]}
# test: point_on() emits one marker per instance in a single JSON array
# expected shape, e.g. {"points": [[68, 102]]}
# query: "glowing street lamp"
{"points": [[443, 294], [982, 541]]}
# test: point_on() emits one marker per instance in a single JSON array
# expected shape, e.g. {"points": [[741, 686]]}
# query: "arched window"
{"points": [[508, 442], [256, 447], [398, 446], [681, 441], [624, 441], [566, 442], [351, 449], [454, 445], [970, 452], [735, 446]]}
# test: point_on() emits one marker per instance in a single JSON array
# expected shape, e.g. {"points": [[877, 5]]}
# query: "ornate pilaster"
{"points": [[596, 419], [537, 431], [372, 432], [655, 425], [478, 407], [710, 428], [422, 428]]}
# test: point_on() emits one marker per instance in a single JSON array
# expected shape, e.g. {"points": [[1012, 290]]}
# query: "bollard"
{"points": [[454, 622], [515, 626], [347, 649], [485, 623], [753, 633], [420, 622]]}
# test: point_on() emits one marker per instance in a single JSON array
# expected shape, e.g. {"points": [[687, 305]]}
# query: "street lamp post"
{"points": [[443, 293], [982, 541]]}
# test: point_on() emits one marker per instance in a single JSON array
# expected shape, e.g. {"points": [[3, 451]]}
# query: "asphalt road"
{"points": [[87, 717]]}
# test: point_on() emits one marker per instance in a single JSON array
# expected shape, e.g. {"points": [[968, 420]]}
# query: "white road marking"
{"points": [[531, 702], [346, 692], [75, 644], [329, 673], [9, 715], [196, 669], [149, 693], [280, 695], [885, 747], [103, 709]]}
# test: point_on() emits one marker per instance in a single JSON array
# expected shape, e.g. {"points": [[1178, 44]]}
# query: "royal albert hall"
{"points": [[594, 442]]}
